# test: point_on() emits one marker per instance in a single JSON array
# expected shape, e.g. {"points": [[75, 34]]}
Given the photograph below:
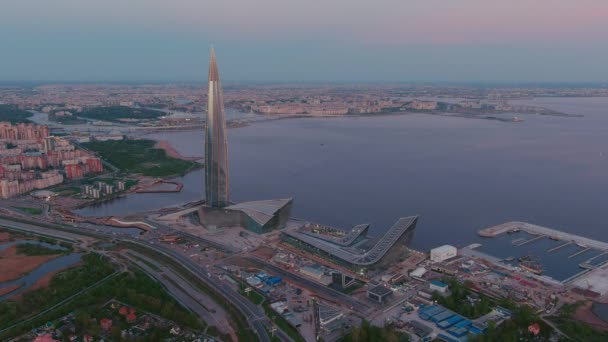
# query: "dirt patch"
{"points": [[264, 252], [8, 289], [170, 150], [584, 314], [15, 266], [4, 236]]}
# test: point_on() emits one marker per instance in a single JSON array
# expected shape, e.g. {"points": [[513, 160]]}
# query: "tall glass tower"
{"points": [[216, 146]]}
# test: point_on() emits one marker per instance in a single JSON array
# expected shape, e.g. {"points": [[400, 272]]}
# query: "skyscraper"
{"points": [[216, 147]]}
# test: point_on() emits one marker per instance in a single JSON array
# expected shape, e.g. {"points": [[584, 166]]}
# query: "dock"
{"points": [[525, 242], [568, 243], [580, 252], [543, 231]]}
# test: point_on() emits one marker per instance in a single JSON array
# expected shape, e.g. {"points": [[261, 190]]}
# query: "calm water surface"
{"points": [[32, 277], [459, 174]]}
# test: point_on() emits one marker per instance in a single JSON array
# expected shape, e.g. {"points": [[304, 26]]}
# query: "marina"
{"points": [[542, 251]]}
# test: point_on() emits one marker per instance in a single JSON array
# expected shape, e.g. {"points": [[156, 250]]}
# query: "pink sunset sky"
{"points": [[334, 40]]}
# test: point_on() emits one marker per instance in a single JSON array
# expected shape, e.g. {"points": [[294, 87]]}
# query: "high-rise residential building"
{"points": [[216, 146]]}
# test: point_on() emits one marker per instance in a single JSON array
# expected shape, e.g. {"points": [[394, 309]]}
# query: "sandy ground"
{"points": [[584, 314], [4, 236], [8, 289], [171, 152], [15, 266], [596, 280]]}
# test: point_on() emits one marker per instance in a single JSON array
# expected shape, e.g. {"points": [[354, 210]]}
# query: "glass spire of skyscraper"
{"points": [[216, 146]]}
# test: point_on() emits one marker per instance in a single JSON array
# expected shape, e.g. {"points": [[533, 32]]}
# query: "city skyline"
{"points": [[406, 41]]}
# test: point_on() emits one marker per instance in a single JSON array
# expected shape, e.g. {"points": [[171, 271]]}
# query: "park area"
{"points": [[140, 157]]}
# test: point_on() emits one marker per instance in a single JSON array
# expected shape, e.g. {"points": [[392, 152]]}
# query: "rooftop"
{"points": [[261, 211], [438, 283], [380, 291], [354, 256]]}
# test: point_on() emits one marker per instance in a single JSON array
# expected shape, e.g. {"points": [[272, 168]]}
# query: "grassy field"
{"points": [[13, 114], [239, 321], [134, 288], [67, 191], [253, 295], [369, 333], [576, 330], [282, 323], [140, 156], [115, 113], [31, 211], [33, 249]]}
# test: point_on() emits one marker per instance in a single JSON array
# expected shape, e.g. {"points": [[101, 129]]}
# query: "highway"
{"points": [[182, 291], [255, 315]]}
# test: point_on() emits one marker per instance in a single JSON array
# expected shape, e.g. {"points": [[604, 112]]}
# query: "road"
{"points": [[183, 292], [254, 315]]}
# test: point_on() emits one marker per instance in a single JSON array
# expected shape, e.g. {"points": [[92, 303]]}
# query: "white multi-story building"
{"points": [[442, 253]]}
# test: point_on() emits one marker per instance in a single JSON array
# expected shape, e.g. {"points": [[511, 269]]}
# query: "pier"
{"points": [[559, 247], [525, 242], [589, 265], [538, 230], [580, 252]]}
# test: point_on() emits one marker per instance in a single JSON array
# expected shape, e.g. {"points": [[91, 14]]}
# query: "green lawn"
{"points": [[369, 333], [253, 295], [134, 288], [114, 113], [31, 211], [140, 156], [457, 301], [576, 330], [33, 249], [282, 323]]}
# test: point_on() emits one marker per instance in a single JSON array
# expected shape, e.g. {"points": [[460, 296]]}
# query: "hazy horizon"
{"points": [[469, 41]]}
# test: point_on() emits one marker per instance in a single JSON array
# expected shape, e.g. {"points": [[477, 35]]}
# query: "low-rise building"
{"points": [[436, 285], [379, 293], [443, 253]]}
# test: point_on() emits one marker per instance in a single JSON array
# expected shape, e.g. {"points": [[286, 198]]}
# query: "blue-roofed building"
{"points": [[477, 329], [444, 324], [454, 319], [442, 316], [463, 324], [458, 332], [274, 281], [449, 322], [425, 308], [431, 311], [262, 276], [436, 285], [447, 338]]}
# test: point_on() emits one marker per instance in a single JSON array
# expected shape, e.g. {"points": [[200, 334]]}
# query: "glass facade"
{"points": [[216, 146]]}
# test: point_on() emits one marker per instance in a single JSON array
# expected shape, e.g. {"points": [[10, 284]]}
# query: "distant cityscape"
{"points": [[210, 269]]}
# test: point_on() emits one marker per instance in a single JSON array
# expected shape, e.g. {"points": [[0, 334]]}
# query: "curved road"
{"points": [[255, 315]]}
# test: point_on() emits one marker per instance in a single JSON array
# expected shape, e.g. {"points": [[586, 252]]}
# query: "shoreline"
{"points": [[171, 151]]}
